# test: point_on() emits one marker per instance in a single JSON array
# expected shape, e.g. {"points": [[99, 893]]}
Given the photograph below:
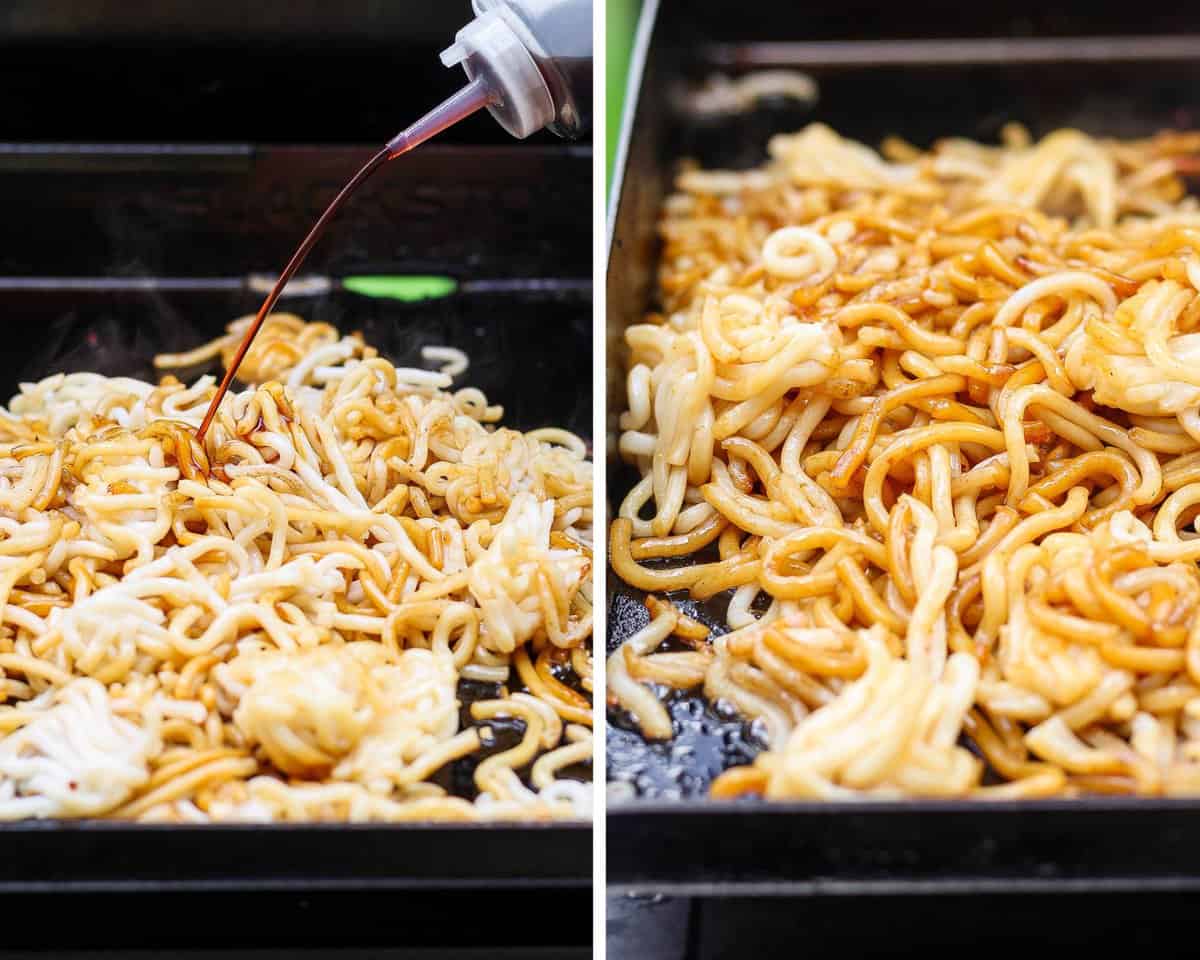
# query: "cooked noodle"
{"points": [[932, 421], [277, 625]]}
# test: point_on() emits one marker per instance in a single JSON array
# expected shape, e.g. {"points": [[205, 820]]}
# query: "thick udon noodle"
{"points": [[274, 626], [933, 420]]}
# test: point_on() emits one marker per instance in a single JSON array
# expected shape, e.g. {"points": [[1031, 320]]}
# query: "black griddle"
{"points": [[114, 250], [920, 72]]}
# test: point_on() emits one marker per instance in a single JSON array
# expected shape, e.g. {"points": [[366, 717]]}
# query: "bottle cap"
{"points": [[490, 50]]}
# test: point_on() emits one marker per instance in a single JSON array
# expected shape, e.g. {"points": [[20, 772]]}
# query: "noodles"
{"points": [[75, 757], [278, 624], [890, 732], [935, 425]]}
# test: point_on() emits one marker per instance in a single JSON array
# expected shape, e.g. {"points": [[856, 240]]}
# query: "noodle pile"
{"points": [[931, 421], [277, 625]]}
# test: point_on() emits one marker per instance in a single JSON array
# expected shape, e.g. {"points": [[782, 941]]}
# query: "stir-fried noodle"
{"points": [[276, 625], [933, 420]]}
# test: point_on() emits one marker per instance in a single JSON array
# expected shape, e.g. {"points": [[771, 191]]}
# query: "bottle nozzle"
{"points": [[474, 96]]}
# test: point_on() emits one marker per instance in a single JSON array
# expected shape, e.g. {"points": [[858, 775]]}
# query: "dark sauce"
{"points": [[289, 271], [570, 83], [472, 97], [708, 738], [707, 741], [458, 777]]}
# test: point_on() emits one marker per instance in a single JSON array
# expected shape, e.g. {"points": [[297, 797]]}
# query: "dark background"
{"points": [[272, 71], [758, 20]]}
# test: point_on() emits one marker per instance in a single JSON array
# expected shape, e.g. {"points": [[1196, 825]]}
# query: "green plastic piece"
{"points": [[408, 289]]}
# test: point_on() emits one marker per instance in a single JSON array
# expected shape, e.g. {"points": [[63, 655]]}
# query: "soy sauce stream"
{"points": [[474, 96]]}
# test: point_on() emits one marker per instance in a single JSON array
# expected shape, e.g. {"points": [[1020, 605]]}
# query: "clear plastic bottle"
{"points": [[535, 59]]}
